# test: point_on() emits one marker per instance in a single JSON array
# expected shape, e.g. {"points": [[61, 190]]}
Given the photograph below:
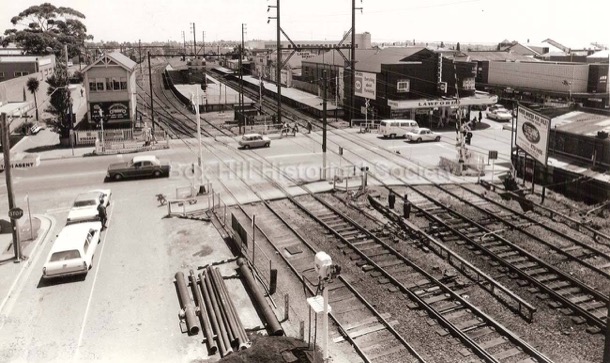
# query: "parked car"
{"points": [[139, 166], [254, 140], [35, 129], [85, 205], [500, 114], [422, 134], [495, 107], [73, 250]]}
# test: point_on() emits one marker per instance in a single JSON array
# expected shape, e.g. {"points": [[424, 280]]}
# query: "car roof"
{"points": [[421, 128], [139, 158], [252, 135], [70, 236], [89, 195]]}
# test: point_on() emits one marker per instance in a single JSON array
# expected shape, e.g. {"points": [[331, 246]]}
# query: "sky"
{"points": [[574, 24]]}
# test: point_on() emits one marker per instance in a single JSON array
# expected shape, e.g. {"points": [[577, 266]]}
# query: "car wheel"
{"points": [[419, 139], [157, 173], [246, 146], [267, 144], [392, 136], [117, 177], [438, 138]]}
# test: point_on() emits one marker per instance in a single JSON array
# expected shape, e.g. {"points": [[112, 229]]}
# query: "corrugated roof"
{"points": [[123, 60], [582, 123], [498, 56], [368, 60]]}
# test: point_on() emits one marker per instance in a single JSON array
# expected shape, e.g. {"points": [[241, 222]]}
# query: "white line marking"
{"points": [[99, 265]]}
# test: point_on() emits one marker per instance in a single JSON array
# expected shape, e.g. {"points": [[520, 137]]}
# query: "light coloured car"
{"points": [[73, 250], [254, 140], [422, 134], [85, 205], [500, 114], [35, 129]]}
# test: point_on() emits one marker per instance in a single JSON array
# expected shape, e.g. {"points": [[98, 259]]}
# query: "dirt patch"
{"points": [[270, 350]]}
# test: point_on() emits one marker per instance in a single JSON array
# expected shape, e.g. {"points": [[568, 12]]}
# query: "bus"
{"points": [[396, 128]]}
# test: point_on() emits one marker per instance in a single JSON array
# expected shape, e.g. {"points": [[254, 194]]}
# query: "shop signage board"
{"points": [[365, 85], [113, 110], [533, 131]]}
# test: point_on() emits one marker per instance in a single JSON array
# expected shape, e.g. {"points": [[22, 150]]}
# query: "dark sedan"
{"points": [[138, 167]]}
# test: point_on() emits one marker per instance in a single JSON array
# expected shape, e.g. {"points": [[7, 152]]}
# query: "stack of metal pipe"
{"points": [[221, 324]]}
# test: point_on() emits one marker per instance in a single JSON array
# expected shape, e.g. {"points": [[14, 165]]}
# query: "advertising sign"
{"points": [[365, 85], [533, 132], [112, 110]]}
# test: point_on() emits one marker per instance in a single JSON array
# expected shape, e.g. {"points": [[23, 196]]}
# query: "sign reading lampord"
{"points": [[365, 85], [533, 132]]}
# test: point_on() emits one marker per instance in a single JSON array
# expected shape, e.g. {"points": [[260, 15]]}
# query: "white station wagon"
{"points": [[254, 140], [73, 250]]}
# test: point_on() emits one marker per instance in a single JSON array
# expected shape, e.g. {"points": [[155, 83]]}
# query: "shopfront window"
{"points": [[92, 86], [99, 84], [123, 83], [108, 84]]}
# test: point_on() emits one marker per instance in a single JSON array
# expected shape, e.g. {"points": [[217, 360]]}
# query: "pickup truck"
{"points": [[139, 166]]}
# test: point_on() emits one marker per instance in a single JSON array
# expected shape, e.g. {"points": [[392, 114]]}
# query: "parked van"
{"points": [[73, 250], [396, 128]]}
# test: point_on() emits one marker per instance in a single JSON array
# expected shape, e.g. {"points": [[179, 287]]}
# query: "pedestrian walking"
{"points": [[406, 208], [309, 127], [480, 115], [81, 92], [391, 200], [101, 211]]}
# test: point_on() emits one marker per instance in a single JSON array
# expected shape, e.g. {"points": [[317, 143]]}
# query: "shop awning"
{"points": [[477, 99], [16, 109]]}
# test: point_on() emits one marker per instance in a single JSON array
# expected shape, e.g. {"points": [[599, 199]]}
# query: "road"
{"points": [[126, 308]]}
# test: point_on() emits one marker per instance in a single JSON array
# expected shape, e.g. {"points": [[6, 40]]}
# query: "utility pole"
{"points": [[69, 100], [278, 70], [140, 53], [242, 118], [152, 108], [353, 65], [184, 43], [324, 122], [203, 43], [9, 184], [194, 41]]}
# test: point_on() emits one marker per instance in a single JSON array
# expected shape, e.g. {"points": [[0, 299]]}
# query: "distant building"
{"points": [[407, 82], [14, 66], [110, 84], [516, 77]]}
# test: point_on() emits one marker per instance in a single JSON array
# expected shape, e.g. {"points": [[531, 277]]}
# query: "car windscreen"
{"points": [[65, 255], [84, 203]]}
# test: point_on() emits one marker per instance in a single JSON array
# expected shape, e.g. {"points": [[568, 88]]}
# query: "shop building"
{"points": [[15, 66], [531, 81], [110, 86], [407, 82]]}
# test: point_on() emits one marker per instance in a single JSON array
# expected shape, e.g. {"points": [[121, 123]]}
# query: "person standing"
{"points": [[101, 211], [480, 116]]}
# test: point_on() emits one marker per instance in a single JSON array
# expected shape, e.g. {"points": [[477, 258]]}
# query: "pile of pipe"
{"points": [[213, 306]]}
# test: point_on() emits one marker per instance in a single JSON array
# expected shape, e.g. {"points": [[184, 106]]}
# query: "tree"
{"points": [[60, 100], [32, 86], [442, 44], [47, 26]]}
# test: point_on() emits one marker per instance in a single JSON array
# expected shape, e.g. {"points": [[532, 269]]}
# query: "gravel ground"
{"points": [[552, 332]]}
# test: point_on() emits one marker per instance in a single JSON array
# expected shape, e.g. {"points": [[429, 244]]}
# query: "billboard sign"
{"points": [[113, 110], [533, 132], [365, 85]]}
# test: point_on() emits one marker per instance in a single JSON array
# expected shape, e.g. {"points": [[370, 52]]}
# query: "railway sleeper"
{"points": [[559, 284], [525, 265], [454, 314], [507, 353], [508, 254], [547, 278]]}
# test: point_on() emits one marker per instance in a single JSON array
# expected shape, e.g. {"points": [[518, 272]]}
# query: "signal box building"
{"points": [[110, 84]]}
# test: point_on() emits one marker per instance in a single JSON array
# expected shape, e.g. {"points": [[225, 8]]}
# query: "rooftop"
{"points": [[582, 123], [369, 60]]}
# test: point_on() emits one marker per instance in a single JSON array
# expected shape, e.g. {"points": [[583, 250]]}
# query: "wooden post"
{"points": [[286, 306], [607, 344]]}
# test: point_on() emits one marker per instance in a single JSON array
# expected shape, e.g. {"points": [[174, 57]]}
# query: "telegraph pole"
{"points": [[152, 108], [324, 122], [242, 118], [278, 70], [194, 41], [184, 43], [353, 65], [203, 43], [69, 100], [140, 53], [9, 184]]}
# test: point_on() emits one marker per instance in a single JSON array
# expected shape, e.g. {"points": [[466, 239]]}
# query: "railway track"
{"points": [[369, 331], [441, 298], [564, 290], [586, 255]]}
